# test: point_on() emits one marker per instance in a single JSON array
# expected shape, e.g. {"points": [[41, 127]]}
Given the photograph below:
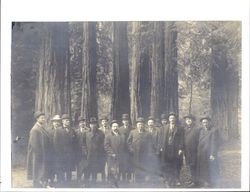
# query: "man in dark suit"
{"points": [[81, 154], [95, 150], [38, 152], [114, 145], [191, 140], [126, 169], [171, 149], [138, 142], [207, 159]]}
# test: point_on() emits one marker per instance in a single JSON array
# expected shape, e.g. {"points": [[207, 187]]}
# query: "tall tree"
{"points": [[120, 97], [170, 95], [53, 79], [89, 61]]}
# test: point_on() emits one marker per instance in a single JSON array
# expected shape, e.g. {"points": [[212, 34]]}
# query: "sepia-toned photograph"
{"points": [[126, 104]]}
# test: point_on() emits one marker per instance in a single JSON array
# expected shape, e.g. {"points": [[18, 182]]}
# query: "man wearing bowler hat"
{"points": [[207, 159], [126, 168], [139, 147], [95, 150], [171, 149], [81, 154], [191, 140], [38, 152]]}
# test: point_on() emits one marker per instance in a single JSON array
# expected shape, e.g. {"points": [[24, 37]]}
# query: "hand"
{"points": [[211, 158], [113, 155], [180, 152]]}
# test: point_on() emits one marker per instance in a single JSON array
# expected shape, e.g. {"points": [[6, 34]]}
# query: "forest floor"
{"points": [[230, 172]]}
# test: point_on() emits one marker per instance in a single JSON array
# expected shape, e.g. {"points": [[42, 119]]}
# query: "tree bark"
{"points": [[134, 76], [170, 96], [89, 60], [120, 97], [53, 79]]}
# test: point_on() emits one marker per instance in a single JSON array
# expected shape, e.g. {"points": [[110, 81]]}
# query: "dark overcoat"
{"points": [[191, 140], [126, 166], [38, 159], [95, 150], [114, 144], [207, 170], [138, 143]]}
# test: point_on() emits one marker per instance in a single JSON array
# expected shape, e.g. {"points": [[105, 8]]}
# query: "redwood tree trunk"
{"points": [[170, 96], [53, 79], [89, 60]]}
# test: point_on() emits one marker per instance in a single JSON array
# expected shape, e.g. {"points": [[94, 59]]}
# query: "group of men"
{"points": [[148, 152]]}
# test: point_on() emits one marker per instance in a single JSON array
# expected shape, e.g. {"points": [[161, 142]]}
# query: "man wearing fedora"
{"points": [[95, 150], [126, 168], [191, 140], [81, 154], [70, 146], [38, 152], [207, 159], [139, 147], [171, 149], [114, 145]]}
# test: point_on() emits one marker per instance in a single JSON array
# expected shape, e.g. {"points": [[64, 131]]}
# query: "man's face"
{"points": [[205, 123], [104, 122], [150, 122], [41, 119], [82, 124], [66, 122], [125, 122], [139, 125], [171, 119], [164, 121], [189, 121], [93, 126], [56, 124], [114, 127]]}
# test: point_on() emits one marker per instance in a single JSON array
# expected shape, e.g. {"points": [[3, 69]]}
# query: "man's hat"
{"points": [[38, 114], [171, 114], [164, 116], [92, 120], [140, 119], [66, 116], [190, 116], [114, 121], [81, 118], [151, 118], [125, 117], [104, 118], [208, 118], [56, 118]]}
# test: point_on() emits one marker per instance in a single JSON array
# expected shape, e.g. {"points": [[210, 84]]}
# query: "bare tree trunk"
{"points": [[134, 76], [89, 103], [157, 68], [170, 99], [190, 98], [53, 80], [120, 98]]}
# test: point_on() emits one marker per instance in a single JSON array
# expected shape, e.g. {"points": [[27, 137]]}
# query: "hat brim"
{"points": [[208, 118]]}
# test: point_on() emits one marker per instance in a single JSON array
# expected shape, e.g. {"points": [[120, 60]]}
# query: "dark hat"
{"points": [[189, 116], [104, 118], [151, 118], [38, 114], [92, 120], [208, 118], [113, 121], [171, 114], [140, 119], [164, 116], [125, 117], [81, 118], [56, 118], [66, 116]]}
